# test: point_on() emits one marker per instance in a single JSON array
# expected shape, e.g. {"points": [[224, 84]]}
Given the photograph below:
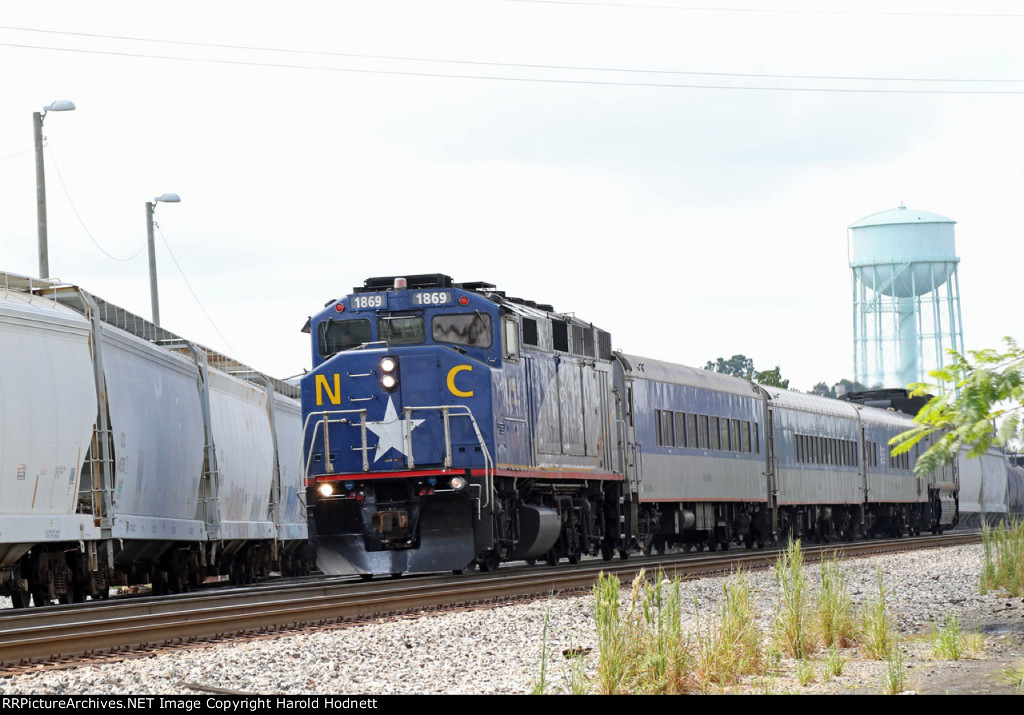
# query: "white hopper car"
{"points": [[130, 456]]}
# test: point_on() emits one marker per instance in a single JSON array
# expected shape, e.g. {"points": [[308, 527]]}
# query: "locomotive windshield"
{"points": [[402, 329], [463, 329], [338, 335]]}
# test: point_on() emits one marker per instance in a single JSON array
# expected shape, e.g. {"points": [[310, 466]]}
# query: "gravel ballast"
{"points": [[497, 650]]}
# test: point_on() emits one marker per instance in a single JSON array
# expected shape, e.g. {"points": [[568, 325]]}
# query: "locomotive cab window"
{"points": [[510, 338], [473, 329], [402, 329], [337, 335]]}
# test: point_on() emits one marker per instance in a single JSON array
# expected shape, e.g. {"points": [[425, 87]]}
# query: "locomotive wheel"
{"points": [[490, 563]]}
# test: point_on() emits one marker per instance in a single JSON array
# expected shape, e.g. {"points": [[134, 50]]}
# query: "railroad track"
{"points": [[104, 627]]}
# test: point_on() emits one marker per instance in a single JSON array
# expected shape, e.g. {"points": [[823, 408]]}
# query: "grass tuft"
{"points": [[1003, 568], [836, 619], [894, 677], [879, 636], [791, 629]]}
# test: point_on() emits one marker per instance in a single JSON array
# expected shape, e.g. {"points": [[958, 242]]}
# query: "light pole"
{"points": [[150, 210], [61, 105]]}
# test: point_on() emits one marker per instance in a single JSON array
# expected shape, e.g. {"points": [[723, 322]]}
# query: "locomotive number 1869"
{"points": [[367, 301], [434, 298]]}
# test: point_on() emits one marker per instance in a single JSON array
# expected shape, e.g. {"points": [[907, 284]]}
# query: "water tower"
{"points": [[906, 296]]}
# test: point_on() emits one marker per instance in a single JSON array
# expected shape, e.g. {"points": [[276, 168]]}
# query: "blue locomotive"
{"points": [[448, 425]]}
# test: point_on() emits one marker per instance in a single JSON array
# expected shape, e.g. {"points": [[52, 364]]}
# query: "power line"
{"points": [[12, 156], [541, 80], [194, 295], [770, 11], [517, 65], [53, 159]]}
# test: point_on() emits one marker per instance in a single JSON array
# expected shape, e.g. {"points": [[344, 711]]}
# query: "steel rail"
{"points": [[34, 635]]}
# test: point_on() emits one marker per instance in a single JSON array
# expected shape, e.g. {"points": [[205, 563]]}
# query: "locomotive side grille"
{"points": [[583, 340]]}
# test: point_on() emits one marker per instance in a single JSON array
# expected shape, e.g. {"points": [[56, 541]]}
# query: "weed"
{"points": [[804, 671], [836, 620], [731, 648], [834, 664], [1013, 676], [1003, 568], [879, 638], [612, 647], [574, 671], [948, 641], [894, 677], [541, 684], [791, 628]]}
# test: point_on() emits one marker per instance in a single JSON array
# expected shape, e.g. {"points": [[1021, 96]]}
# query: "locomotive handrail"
{"points": [[463, 411], [324, 420], [321, 419]]}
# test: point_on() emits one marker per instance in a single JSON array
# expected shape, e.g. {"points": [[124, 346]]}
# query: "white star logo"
{"points": [[391, 431]]}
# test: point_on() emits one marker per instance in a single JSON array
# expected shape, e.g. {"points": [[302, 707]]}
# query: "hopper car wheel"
{"points": [[575, 557], [19, 599], [623, 554], [395, 574], [531, 562], [660, 546], [38, 599], [607, 551], [490, 563], [551, 557], [366, 576]]}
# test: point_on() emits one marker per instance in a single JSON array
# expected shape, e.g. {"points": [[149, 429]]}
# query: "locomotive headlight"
{"points": [[389, 373], [458, 483], [326, 489]]}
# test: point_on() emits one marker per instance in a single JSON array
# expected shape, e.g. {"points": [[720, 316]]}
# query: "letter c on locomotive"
{"points": [[451, 381]]}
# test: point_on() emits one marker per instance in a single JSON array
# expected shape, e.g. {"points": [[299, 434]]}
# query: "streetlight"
{"points": [[150, 210], [61, 105]]}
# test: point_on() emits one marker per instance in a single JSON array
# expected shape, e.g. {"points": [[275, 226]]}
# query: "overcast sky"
{"points": [[693, 206]]}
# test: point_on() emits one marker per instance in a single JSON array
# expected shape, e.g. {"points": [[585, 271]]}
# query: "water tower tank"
{"points": [[905, 294]]}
